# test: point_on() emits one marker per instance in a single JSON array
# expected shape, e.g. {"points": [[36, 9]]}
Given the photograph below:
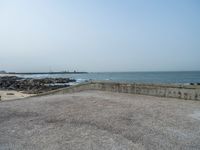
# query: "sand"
{"points": [[11, 95], [96, 120]]}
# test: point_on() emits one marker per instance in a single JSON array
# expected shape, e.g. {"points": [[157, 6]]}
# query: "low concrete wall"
{"points": [[187, 92]]}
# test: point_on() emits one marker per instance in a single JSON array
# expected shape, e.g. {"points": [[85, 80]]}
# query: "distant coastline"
{"points": [[179, 77], [32, 73]]}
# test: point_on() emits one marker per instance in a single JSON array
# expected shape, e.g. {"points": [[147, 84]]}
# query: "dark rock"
{"points": [[195, 83], [31, 85], [10, 94]]}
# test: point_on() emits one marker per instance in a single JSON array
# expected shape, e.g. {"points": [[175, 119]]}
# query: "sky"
{"points": [[99, 35]]}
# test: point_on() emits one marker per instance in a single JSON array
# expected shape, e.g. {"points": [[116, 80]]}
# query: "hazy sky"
{"points": [[99, 35]]}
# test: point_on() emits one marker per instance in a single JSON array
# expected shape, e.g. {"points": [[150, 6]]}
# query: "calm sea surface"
{"points": [[139, 77]]}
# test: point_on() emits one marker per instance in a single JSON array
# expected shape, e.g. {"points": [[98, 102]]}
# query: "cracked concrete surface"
{"points": [[99, 120]]}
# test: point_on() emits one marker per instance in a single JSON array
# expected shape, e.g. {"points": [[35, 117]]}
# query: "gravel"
{"points": [[96, 120]]}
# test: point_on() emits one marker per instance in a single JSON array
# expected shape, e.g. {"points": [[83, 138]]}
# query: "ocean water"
{"points": [[131, 77]]}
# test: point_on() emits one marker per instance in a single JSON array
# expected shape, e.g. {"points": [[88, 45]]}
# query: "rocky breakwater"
{"points": [[32, 85]]}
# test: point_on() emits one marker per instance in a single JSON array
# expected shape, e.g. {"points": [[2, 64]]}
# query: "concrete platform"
{"points": [[99, 120]]}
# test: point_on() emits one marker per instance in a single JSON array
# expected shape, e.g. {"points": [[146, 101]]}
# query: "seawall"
{"points": [[187, 92]]}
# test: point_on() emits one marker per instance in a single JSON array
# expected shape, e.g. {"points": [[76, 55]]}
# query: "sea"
{"points": [[181, 77]]}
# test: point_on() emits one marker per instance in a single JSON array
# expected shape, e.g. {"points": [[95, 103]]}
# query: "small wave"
{"points": [[80, 80], [107, 79]]}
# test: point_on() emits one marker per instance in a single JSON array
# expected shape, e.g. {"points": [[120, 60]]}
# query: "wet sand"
{"points": [[99, 120]]}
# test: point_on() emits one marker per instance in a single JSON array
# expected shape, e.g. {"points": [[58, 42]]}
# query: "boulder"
{"points": [[31, 85]]}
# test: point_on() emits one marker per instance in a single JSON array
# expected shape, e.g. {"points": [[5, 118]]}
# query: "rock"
{"points": [[32, 85], [195, 83], [10, 94]]}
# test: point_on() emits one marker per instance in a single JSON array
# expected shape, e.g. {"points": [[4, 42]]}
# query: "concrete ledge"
{"points": [[187, 92]]}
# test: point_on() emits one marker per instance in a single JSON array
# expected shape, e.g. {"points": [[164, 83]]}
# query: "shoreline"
{"points": [[6, 74], [15, 87], [177, 78]]}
